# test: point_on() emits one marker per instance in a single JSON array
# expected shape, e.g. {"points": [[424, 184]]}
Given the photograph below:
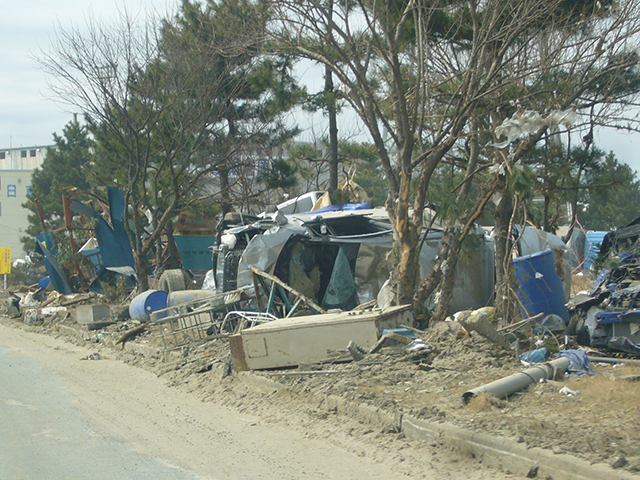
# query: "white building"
{"points": [[16, 166]]}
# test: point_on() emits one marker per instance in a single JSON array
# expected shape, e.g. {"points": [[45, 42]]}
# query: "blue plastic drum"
{"points": [[541, 289], [142, 306]]}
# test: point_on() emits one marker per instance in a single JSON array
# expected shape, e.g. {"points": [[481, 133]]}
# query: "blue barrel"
{"points": [[541, 289], [142, 306]]}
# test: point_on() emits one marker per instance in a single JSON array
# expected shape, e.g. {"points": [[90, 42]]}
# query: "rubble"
{"points": [[300, 290], [608, 317]]}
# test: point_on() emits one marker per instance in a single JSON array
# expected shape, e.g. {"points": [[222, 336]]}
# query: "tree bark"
{"points": [[330, 98], [505, 300]]}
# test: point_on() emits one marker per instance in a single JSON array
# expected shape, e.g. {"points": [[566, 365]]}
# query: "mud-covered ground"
{"points": [[599, 423]]}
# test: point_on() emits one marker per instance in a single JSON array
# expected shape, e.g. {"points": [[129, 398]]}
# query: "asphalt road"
{"points": [[65, 416], [43, 437]]}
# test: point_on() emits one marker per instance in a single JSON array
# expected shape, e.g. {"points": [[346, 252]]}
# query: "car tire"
{"points": [[230, 270]]}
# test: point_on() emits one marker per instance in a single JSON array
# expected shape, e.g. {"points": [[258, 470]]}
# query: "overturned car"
{"points": [[340, 257]]}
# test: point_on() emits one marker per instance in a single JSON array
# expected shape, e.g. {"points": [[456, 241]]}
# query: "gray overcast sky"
{"points": [[29, 118]]}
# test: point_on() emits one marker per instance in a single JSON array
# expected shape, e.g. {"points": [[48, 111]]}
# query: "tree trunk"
{"points": [[441, 278], [453, 237], [330, 98], [174, 255], [142, 267], [506, 302], [546, 224], [408, 266]]}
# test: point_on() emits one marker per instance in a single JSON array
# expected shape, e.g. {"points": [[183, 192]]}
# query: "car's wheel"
{"points": [[230, 270]]}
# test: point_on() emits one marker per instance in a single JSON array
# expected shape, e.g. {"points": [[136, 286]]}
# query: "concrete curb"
{"points": [[496, 452], [509, 455]]}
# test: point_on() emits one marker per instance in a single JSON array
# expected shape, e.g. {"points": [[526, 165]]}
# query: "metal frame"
{"points": [[278, 296]]}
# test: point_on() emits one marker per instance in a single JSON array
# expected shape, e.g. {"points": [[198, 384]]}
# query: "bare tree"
{"points": [[159, 101], [426, 75]]}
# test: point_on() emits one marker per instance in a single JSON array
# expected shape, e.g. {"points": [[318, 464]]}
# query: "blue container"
{"points": [[541, 289], [142, 306]]}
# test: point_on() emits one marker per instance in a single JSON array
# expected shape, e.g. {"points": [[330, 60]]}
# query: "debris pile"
{"points": [[298, 298], [608, 317]]}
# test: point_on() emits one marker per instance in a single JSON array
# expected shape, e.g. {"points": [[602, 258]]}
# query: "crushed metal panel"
{"points": [[290, 341], [113, 239], [45, 246], [195, 251]]}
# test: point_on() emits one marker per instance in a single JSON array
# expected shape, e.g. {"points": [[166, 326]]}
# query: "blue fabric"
{"points": [[578, 362], [534, 356]]}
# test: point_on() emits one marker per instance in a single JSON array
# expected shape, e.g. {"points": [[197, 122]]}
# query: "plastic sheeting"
{"points": [[525, 123], [341, 291]]}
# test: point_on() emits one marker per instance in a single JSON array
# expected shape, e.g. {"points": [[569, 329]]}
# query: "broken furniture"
{"points": [[291, 341]]}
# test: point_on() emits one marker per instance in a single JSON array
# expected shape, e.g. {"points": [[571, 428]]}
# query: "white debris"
{"points": [[525, 123]]}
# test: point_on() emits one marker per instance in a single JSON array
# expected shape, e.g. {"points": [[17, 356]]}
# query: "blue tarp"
{"points": [[592, 247], [578, 361], [344, 206]]}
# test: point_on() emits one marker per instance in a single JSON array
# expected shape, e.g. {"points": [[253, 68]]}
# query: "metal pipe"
{"points": [[630, 361], [507, 386]]}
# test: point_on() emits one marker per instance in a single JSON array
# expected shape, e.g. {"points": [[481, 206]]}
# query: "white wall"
{"points": [[15, 180]]}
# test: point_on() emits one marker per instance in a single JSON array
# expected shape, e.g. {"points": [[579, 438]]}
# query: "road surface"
{"points": [[63, 416]]}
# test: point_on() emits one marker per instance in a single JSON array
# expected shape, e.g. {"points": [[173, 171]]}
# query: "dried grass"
{"points": [[580, 283], [479, 403], [609, 393]]}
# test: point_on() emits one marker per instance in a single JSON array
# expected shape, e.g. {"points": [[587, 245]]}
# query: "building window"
{"points": [[11, 191], [23, 154], [3, 155], [28, 187], [32, 153]]}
